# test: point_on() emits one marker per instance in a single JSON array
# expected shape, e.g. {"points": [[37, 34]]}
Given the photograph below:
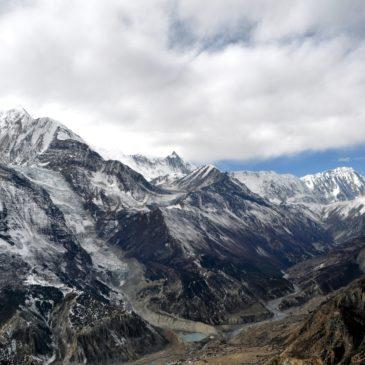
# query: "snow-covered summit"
{"points": [[273, 186], [22, 138], [339, 184], [152, 168]]}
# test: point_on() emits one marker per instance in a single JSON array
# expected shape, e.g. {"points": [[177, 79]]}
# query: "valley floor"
{"points": [[251, 344]]}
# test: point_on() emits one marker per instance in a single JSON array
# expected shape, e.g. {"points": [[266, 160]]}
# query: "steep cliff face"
{"points": [[57, 305]]}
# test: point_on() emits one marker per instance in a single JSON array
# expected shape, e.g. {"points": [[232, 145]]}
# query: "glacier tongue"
{"points": [[107, 262]]}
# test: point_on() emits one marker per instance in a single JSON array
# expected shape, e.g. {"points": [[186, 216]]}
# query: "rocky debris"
{"points": [[46, 327], [53, 305], [333, 333]]}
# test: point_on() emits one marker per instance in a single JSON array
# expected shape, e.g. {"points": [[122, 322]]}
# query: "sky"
{"points": [[258, 84], [303, 163]]}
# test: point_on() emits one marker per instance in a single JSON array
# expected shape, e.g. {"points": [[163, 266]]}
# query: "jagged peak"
{"points": [[339, 184], [152, 168], [14, 111], [173, 155], [343, 169]]}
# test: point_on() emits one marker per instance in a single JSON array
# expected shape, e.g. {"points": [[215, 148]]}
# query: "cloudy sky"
{"points": [[244, 80]]}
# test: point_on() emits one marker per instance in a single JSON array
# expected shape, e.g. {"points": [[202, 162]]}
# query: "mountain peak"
{"points": [[22, 138], [339, 184], [19, 111], [153, 168], [8, 117], [344, 169], [341, 170], [173, 155], [273, 186]]}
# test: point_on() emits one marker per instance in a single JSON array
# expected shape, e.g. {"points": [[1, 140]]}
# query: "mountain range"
{"points": [[101, 259]]}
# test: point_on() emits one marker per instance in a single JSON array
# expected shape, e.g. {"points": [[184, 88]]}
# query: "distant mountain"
{"points": [[151, 168], [336, 198], [278, 188], [340, 184]]}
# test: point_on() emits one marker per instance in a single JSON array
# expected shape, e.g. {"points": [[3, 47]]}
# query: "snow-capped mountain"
{"points": [[340, 184], [209, 223], [23, 138], [277, 188], [99, 255], [171, 166]]}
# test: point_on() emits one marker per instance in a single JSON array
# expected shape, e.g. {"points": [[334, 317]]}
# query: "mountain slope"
{"points": [[333, 334], [58, 298], [327, 273], [149, 227], [335, 198], [340, 184]]}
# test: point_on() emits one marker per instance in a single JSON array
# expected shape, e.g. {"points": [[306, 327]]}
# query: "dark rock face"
{"points": [[98, 332], [325, 274], [53, 305], [45, 326], [334, 333]]}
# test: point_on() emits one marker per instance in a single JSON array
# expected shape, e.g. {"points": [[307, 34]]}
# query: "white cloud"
{"points": [[212, 80]]}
